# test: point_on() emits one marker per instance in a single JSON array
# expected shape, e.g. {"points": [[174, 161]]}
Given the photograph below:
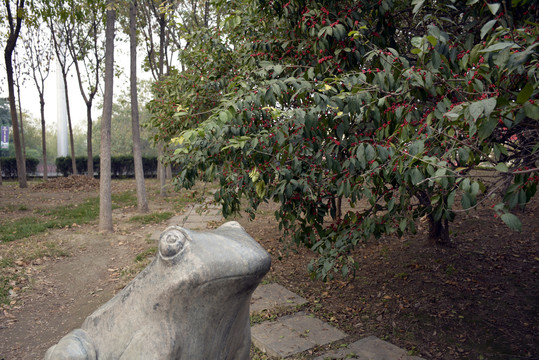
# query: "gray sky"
{"points": [[30, 96]]}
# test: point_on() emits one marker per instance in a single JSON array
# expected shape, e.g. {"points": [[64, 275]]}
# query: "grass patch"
{"points": [[145, 254], [151, 218], [14, 208], [50, 249], [75, 214], [5, 280], [60, 217], [141, 261], [126, 198]]}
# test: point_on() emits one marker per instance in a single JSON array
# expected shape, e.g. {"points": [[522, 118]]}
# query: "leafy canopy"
{"points": [[401, 109]]}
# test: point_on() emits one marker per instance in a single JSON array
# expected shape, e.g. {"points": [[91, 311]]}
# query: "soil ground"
{"points": [[477, 299]]}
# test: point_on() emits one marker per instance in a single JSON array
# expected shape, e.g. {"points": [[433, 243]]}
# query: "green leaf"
{"points": [[512, 221], [532, 111], [370, 154], [501, 167], [499, 46], [417, 147], [525, 93], [489, 105], [402, 225], [223, 116], [417, 5], [467, 201], [493, 8], [476, 109], [486, 128], [416, 176], [486, 28], [310, 73], [451, 199]]}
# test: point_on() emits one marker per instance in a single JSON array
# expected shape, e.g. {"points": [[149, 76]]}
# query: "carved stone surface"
{"points": [[191, 302]]}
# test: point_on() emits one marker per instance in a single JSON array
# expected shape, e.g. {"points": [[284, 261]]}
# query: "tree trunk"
{"points": [[438, 231], [43, 137], [142, 200], [8, 54], [23, 144], [90, 165], [71, 140], [105, 196], [161, 173]]}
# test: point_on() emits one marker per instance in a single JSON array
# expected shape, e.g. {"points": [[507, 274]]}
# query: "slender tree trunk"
{"points": [[43, 137], [90, 165], [71, 139], [142, 200], [21, 166], [105, 196], [438, 231], [23, 143], [161, 173]]}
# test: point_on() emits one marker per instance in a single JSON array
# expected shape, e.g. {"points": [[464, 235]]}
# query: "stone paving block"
{"points": [[292, 335], [271, 296], [369, 348]]}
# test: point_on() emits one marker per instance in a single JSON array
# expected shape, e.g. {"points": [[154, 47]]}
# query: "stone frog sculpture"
{"points": [[192, 302]]}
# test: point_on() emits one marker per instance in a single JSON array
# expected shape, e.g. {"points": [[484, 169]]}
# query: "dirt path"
{"points": [[64, 290]]}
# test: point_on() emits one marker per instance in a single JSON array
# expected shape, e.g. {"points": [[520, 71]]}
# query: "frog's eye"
{"points": [[172, 242]]}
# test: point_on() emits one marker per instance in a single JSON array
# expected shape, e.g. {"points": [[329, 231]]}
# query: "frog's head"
{"points": [[193, 259]]}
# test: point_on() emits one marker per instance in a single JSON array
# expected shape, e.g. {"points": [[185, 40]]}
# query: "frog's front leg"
{"points": [[77, 345]]}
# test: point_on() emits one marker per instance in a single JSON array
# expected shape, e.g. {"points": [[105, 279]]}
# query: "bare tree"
{"points": [[14, 22], [105, 196], [85, 46], [142, 200], [156, 17], [38, 55]]}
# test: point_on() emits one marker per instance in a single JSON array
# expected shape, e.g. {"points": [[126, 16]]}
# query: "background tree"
{"points": [[85, 45], [20, 73], [39, 53], [105, 196], [142, 200], [403, 110], [157, 22], [14, 19]]}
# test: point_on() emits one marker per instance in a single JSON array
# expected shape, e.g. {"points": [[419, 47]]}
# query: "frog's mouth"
{"points": [[234, 254]]}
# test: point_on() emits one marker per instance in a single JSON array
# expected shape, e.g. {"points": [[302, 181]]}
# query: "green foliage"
{"points": [[9, 166], [121, 166], [122, 139], [400, 110]]}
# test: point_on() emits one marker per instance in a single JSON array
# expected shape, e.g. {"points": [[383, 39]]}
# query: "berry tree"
{"points": [[397, 109]]}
